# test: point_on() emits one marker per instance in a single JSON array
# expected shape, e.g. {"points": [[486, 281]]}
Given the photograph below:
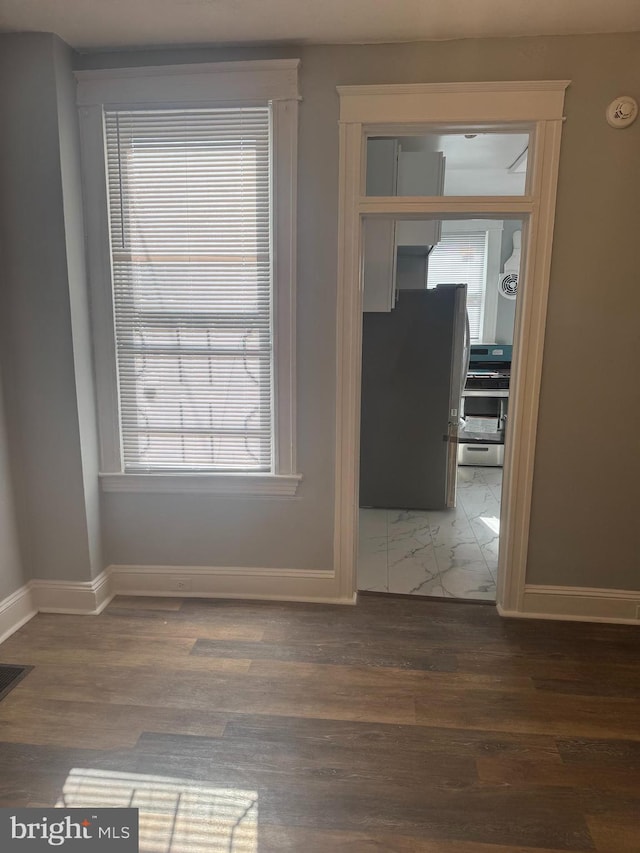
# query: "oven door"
{"points": [[486, 404]]}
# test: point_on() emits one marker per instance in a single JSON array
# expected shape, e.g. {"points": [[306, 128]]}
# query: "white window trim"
{"points": [[208, 484], [493, 229], [209, 84]]}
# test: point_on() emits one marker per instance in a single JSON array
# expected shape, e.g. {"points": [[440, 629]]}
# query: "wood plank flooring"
{"points": [[396, 725]]}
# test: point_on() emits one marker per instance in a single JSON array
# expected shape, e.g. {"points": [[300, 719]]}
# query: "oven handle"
{"points": [[486, 392]]}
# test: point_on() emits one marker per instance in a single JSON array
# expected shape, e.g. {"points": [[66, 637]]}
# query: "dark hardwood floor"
{"points": [[396, 725]]}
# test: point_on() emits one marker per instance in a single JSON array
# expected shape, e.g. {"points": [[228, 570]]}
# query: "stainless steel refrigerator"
{"points": [[414, 366]]}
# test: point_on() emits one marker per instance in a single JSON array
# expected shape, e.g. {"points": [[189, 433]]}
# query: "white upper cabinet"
{"points": [[392, 172], [419, 173], [382, 166]]}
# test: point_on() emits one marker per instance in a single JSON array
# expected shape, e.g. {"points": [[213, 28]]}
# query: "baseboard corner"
{"points": [[15, 611], [73, 597]]}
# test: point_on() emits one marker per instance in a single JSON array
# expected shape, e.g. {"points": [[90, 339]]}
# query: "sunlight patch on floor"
{"points": [[176, 815], [492, 523]]}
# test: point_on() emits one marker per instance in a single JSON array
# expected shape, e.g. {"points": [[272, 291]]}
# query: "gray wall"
{"points": [[11, 575], [39, 265], [411, 272], [69, 139], [597, 218], [274, 533], [593, 299]]}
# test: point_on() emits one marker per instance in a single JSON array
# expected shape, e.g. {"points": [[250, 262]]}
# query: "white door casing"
{"points": [[410, 109]]}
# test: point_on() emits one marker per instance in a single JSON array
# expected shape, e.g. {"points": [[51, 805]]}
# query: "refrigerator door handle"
{"points": [[452, 461], [459, 368], [467, 344]]}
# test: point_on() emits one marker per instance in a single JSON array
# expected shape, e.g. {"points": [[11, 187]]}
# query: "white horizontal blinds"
{"points": [[189, 199], [462, 259]]}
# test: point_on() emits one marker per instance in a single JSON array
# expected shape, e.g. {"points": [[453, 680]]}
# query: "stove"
{"points": [[491, 379], [484, 405]]}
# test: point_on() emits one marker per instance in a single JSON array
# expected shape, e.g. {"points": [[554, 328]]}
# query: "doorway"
{"points": [[413, 110], [426, 528]]}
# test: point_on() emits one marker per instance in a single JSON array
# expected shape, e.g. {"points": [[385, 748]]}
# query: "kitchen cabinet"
{"points": [[379, 265], [392, 171], [419, 173]]}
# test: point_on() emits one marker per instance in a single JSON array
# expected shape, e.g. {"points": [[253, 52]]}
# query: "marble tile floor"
{"points": [[450, 553]]}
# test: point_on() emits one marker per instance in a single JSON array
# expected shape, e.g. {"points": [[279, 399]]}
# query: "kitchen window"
{"points": [[462, 258], [469, 253], [192, 260]]}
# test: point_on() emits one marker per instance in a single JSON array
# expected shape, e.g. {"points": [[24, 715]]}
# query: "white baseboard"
{"points": [[15, 610], [578, 604], [228, 582], [91, 597], [84, 597], [583, 604]]}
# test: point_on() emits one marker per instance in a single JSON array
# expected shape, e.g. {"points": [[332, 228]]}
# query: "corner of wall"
{"points": [[12, 567], [45, 340], [72, 200]]}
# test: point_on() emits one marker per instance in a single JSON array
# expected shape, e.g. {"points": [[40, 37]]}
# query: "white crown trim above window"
{"points": [[259, 81]]}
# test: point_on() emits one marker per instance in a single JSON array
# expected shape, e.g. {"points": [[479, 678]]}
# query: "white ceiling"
{"points": [[477, 163], [112, 23], [480, 166], [482, 150]]}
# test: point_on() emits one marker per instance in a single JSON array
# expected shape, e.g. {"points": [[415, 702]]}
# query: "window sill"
{"points": [[203, 484]]}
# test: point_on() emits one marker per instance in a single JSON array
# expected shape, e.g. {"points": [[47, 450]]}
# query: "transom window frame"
{"points": [[218, 84]]}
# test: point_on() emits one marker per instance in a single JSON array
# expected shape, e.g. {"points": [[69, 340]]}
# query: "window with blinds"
{"points": [[189, 201], [461, 258]]}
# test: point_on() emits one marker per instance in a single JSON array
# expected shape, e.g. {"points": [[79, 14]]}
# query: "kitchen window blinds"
{"points": [[189, 203], [462, 259]]}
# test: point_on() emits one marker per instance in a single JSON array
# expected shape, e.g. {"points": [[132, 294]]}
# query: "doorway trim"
{"points": [[536, 106]]}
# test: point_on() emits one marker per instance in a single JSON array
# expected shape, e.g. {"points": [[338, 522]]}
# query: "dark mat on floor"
{"points": [[10, 675]]}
